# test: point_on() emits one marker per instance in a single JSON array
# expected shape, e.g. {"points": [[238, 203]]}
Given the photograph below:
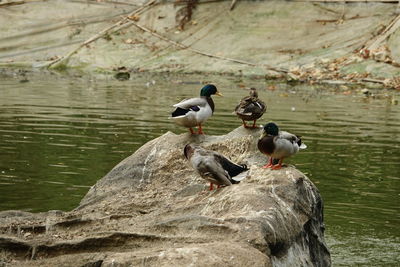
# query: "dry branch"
{"points": [[182, 46], [233, 3], [373, 80], [391, 28], [104, 2], [15, 3], [350, 1], [59, 61], [326, 8], [12, 3], [183, 2]]}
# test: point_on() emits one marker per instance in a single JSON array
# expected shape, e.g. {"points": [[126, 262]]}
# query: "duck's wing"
{"points": [[250, 106], [294, 139], [191, 102], [210, 169], [232, 168], [288, 136], [255, 108], [187, 105], [243, 103], [261, 105]]}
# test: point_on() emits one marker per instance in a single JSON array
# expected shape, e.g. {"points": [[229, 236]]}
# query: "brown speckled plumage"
{"points": [[250, 108]]}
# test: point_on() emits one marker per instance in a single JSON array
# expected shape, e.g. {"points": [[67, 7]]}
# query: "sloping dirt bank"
{"points": [[337, 42]]}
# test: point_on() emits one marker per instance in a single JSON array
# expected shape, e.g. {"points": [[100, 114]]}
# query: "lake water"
{"points": [[60, 134]]}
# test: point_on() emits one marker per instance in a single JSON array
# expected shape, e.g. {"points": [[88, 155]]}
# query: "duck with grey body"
{"points": [[194, 112], [214, 167], [278, 145]]}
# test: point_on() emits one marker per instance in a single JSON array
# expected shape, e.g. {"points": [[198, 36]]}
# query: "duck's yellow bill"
{"points": [[218, 93]]}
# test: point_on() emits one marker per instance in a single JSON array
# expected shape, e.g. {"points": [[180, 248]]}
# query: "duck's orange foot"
{"points": [[267, 166], [276, 167]]}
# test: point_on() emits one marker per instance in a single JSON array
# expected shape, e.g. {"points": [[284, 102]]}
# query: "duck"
{"points": [[278, 145], [213, 166], [250, 108], [195, 111]]}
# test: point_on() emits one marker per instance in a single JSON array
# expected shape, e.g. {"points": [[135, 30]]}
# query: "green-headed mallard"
{"points": [[195, 111], [213, 166], [250, 108], [278, 144]]}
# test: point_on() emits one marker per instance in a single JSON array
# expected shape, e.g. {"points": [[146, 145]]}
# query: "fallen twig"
{"points": [[183, 2], [58, 62], [104, 2], [340, 19], [15, 3], [350, 1], [233, 4], [12, 3], [373, 80], [188, 48], [180, 45], [391, 28], [326, 8]]}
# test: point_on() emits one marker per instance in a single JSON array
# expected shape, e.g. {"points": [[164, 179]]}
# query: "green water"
{"points": [[59, 135]]}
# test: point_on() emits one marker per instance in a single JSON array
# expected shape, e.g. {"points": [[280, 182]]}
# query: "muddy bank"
{"points": [[300, 41], [153, 209]]}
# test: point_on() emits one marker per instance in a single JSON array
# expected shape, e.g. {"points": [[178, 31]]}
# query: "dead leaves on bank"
{"points": [[332, 72], [380, 54], [392, 83]]}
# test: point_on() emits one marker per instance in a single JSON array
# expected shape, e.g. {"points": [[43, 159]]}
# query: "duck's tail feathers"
{"points": [[239, 177], [233, 169], [300, 143]]}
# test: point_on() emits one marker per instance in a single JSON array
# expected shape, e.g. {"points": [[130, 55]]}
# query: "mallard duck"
{"points": [[195, 111], [278, 144], [213, 166], [250, 108]]}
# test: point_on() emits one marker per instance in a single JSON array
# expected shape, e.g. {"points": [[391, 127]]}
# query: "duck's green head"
{"points": [[209, 90], [271, 129]]}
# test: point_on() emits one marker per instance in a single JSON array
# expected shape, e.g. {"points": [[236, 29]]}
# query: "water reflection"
{"points": [[59, 135]]}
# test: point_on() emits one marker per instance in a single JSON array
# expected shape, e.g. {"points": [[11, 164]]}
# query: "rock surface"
{"points": [[152, 209]]}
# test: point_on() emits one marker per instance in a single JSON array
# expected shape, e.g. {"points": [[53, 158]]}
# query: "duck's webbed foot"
{"points": [[277, 166], [254, 124], [269, 164], [191, 130], [266, 166], [211, 186]]}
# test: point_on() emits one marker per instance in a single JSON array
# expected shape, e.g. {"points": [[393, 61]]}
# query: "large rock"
{"points": [[152, 209]]}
